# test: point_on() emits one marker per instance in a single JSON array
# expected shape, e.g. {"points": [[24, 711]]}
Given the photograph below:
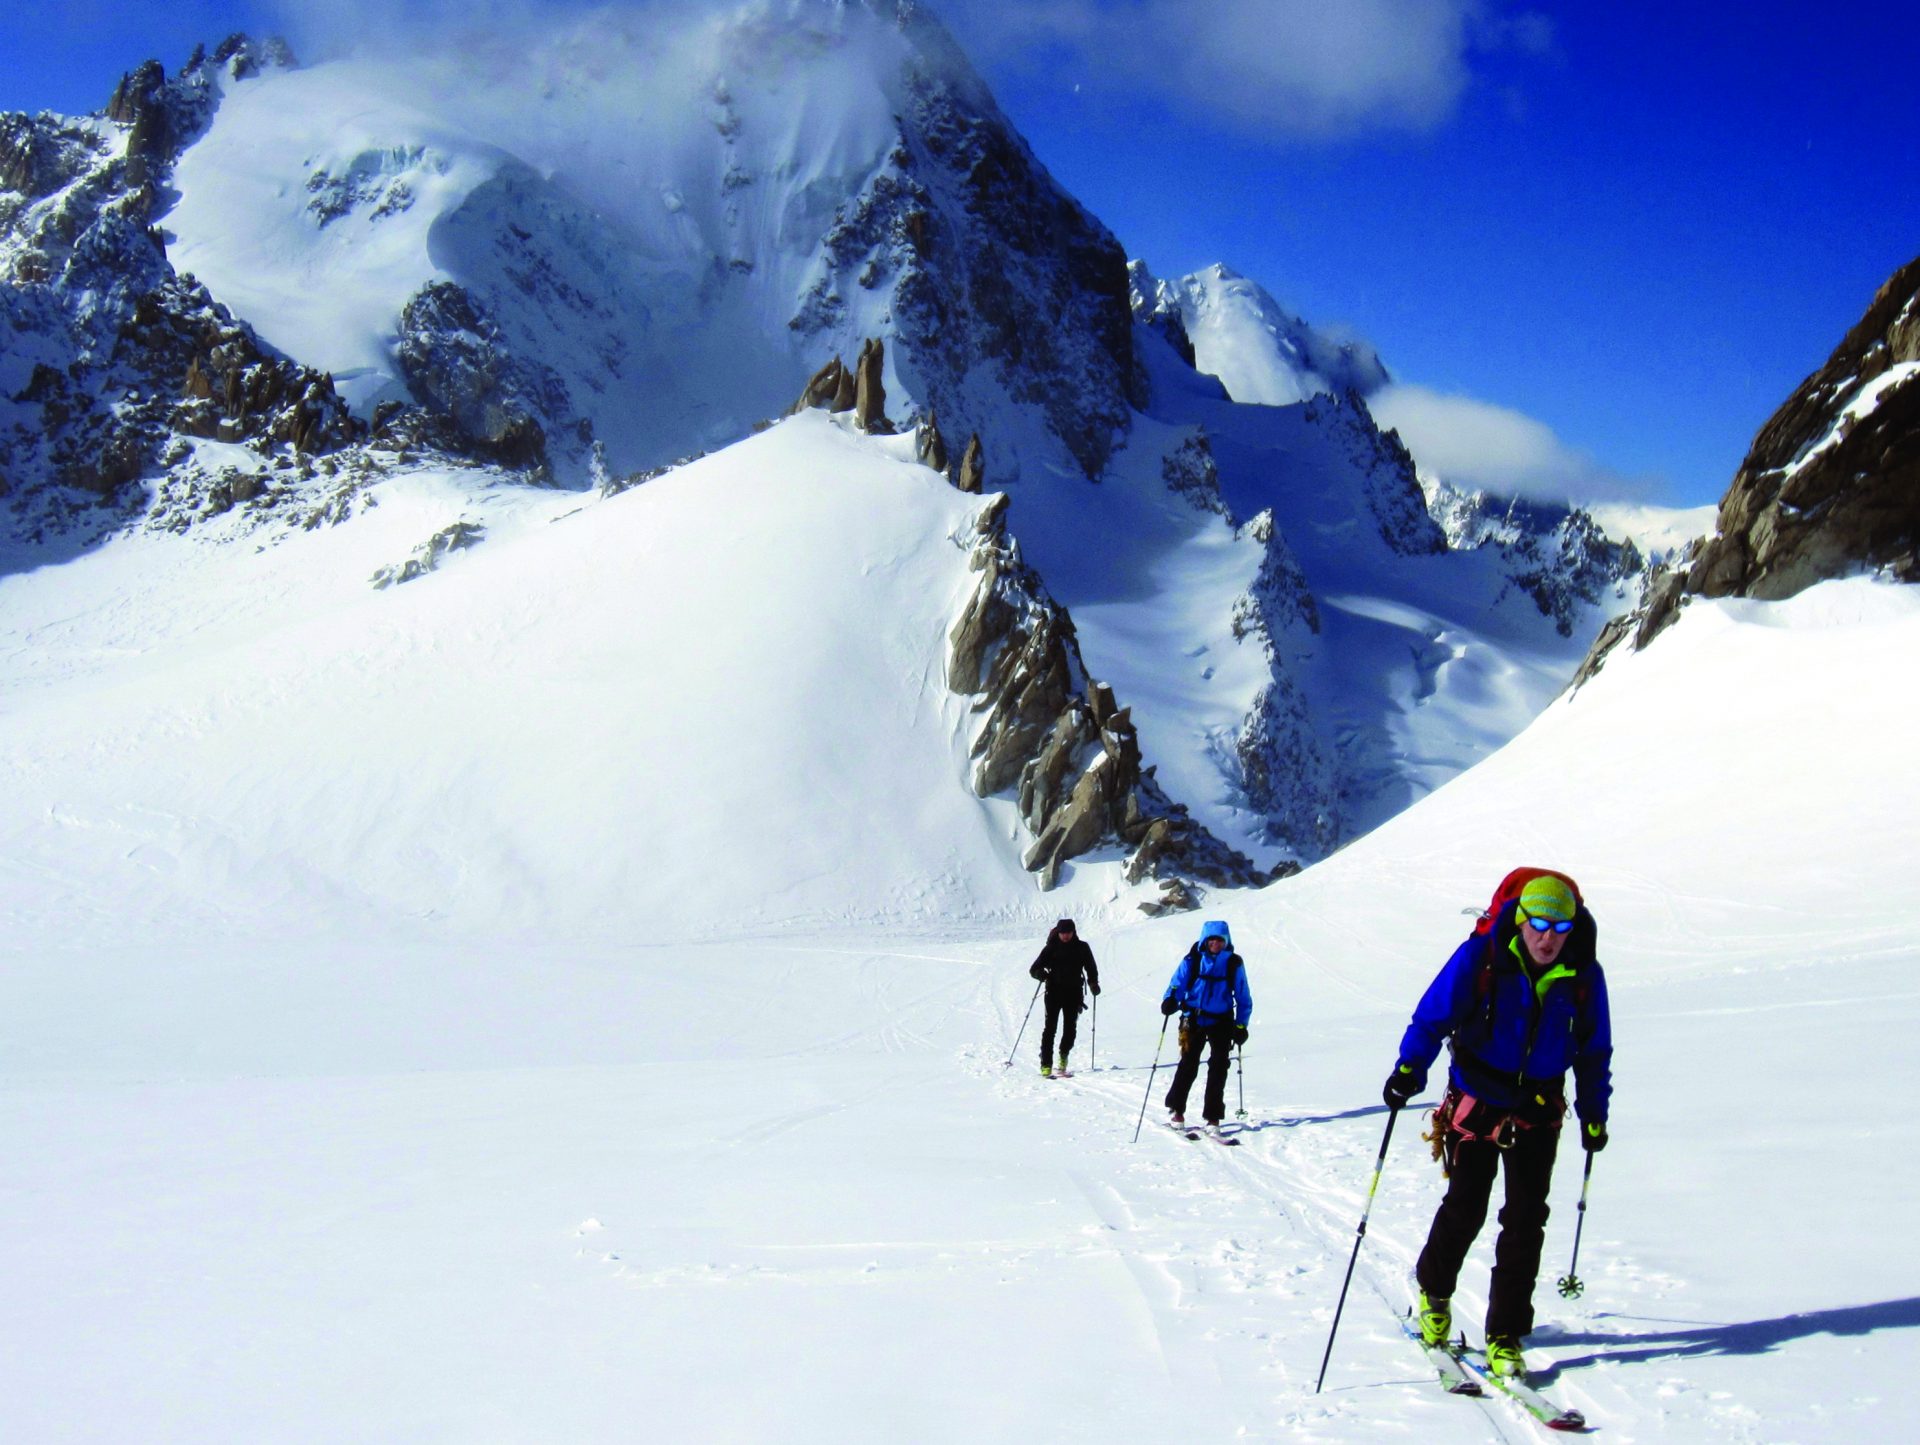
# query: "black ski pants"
{"points": [[1065, 1013], [1194, 1038], [1523, 1224]]}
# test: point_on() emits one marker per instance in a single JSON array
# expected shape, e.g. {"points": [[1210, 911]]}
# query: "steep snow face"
{"points": [[664, 227], [1261, 352], [1368, 662], [308, 207], [625, 213], [718, 696]]}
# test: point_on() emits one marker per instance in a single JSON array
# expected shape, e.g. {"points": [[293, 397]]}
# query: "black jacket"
{"points": [[1061, 965]]}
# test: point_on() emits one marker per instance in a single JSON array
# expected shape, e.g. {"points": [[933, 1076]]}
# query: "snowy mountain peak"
{"points": [[1261, 352]]}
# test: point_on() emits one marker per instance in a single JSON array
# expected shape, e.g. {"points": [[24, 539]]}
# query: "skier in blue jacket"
{"points": [[1209, 989], [1522, 1004]]}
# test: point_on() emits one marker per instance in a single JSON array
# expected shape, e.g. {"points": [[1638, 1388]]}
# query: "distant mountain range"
{"points": [[255, 294]]}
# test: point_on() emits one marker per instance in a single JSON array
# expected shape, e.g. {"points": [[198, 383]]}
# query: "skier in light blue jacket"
{"points": [[1209, 991]]}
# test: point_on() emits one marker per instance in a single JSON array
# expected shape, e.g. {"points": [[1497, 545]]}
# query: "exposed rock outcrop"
{"points": [[828, 389], [1832, 483], [1830, 487], [457, 363], [929, 446], [859, 389], [428, 556], [1557, 555], [973, 467], [135, 360], [1285, 770], [1000, 286], [1062, 744], [869, 390], [1190, 472]]}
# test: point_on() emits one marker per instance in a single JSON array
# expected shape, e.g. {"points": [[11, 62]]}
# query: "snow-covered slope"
{"points": [[718, 695], [471, 1139], [1261, 353], [617, 243]]}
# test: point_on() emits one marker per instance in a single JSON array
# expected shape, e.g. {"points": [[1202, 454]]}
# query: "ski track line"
{"points": [[1291, 944], [1268, 1180], [1252, 1180], [1157, 1290]]}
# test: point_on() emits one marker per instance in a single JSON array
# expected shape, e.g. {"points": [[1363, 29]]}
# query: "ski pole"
{"points": [[1240, 1075], [1378, 1165], [1093, 1052], [1023, 1024], [1150, 1073], [1571, 1285]]}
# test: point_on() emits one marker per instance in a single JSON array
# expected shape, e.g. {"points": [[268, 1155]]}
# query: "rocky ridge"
{"points": [[1555, 554], [118, 364], [1061, 743], [1830, 487]]}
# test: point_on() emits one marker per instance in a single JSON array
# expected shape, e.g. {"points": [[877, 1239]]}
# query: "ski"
{"points": [[1446, 1363], [1524, 1395], [1197, 1135]]}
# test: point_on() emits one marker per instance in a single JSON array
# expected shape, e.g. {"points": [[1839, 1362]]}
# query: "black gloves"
{"points": [[1402, 1084], [1239, 1033], [1169, 1006], [1593, 1137], [1096, 989], [1037, 971]]}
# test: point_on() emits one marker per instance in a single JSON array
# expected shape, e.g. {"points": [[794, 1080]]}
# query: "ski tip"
{"points": [[1571, 1421]]}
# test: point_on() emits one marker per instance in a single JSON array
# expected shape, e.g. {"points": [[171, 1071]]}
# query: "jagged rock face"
{"points": [[1284, 770], [1191, 474], [929, 447], [1832, 483], [973, 467], [827, 389], [124, 358], [1830, 487], [1389, 479], [1064, 744], [1555, 554], [458, 364], [869, 389], [1002, 285]]}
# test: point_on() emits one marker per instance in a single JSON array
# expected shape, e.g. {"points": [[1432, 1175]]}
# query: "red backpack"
{"points": [[1509, 890]]}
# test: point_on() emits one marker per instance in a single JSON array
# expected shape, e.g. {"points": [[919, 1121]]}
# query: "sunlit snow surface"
{"points": [[567, 996]]}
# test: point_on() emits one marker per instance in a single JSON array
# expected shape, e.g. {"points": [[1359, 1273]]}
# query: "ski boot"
{"points": [[1063, 1071], [1046, 1071], [1436, 1320], [1504, 1358]]}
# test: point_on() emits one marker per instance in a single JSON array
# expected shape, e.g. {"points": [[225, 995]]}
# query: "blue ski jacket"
{"points": [[1514, 1035], [1212, 989]]}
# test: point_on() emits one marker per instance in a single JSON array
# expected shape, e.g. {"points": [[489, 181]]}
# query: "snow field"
{"points": [[518, 1003]]}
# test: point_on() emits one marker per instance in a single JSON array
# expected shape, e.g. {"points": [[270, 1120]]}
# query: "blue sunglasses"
{"points": [[1543, 925]]}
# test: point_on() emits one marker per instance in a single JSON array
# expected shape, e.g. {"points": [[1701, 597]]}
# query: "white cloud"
{"points": [[1476, 443], [1303, 68]]}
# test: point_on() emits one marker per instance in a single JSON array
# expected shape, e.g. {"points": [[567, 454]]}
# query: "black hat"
{"points": [[1064, 925]]}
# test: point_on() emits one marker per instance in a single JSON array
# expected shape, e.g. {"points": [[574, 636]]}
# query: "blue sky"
{"points": [[1625, 232]]}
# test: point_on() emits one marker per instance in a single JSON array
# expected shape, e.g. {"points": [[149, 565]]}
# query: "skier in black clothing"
{"points": [[1063, 961]]}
